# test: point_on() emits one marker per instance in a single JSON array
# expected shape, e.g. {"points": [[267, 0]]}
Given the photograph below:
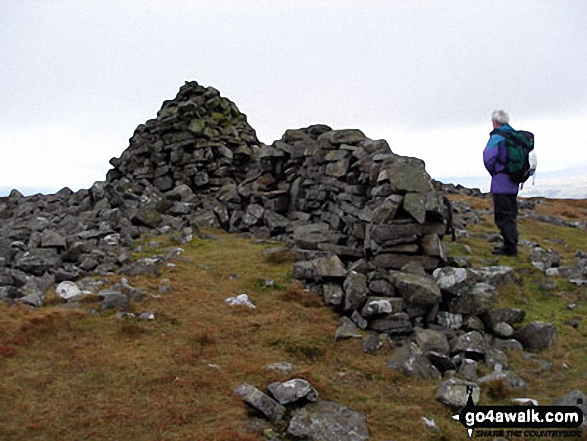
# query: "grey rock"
{"points": [[270, 408], [496, 359], [398, 323], [142, 267], [355, 291], [67, 290], [472, 344], [338, 169], [450, 279], [405, 177], [382, 288], [381, 305], [387, 210], [510, 380], [358, 319], [37, 262], [503, 330], [329, 267], [282, 367], [52, 239], [275, 222], [328, 421], [112, 299], [292, 391], [495, 275], [416, 290], [537, 335], [371, 343], [511, 316], [441, 361], [544, 259], [507, 345], [410, 361], [473, 323], [89, 264], [449, 320], [345, 136], [309, 236], [468, 369], [484, 296], [333, 294], [455, 393], [305, 270], [147, 216], [347, 329], [431, 340]]}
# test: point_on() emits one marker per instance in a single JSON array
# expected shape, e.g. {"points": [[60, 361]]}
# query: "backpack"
{"points": [[519, 144]]}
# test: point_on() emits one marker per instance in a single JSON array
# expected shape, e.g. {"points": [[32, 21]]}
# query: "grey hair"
{"points": [[500, 117]]}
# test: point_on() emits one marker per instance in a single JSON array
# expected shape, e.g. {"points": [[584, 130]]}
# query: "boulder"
{"points": [[68, 290], [455, 393], [410, 361], [397, 323], [416, 290], [495, 275], [292, 391], [355, 291], [472, 344], [329, 267], [328, 421], [347, 329], [431, 340], [270, 408], [537, 335]]}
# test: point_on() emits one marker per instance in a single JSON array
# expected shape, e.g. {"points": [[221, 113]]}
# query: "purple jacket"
{"points": [[494, 158]]}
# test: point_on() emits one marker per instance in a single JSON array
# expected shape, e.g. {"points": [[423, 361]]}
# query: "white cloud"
{"points": [[54, 158]]}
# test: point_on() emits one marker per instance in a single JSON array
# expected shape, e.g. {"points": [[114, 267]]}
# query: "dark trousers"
{"points": [[505, 210]]}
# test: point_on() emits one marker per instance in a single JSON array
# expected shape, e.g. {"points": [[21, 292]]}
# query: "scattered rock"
{"points": [[454, 393], [347, 329], [240, 300], [68, 290], [282, 368], [509, 379], [371, 343], [328, 421], [270, 408], [292, 391]]}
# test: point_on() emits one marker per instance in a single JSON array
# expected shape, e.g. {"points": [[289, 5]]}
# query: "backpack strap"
{"points": [[506, 135]]}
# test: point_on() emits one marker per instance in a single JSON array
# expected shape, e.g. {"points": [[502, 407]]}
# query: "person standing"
{"points": [[503, 190]]}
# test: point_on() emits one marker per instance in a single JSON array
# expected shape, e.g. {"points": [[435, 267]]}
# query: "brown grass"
{"points": [[296, 293], [69, 374]]}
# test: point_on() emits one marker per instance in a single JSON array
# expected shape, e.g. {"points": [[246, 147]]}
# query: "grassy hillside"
{"points": [[69, 374]]}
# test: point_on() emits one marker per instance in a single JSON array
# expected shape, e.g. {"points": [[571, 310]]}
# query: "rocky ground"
{"points": [[367, 229]]}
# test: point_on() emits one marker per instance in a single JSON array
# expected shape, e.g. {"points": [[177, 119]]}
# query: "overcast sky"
{"points": [[77, 77]]}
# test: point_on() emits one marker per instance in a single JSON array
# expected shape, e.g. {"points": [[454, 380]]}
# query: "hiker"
{"points": [[503, 189]]}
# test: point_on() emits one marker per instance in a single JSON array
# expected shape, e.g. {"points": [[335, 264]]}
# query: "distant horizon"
{"points": [[566, 184]]}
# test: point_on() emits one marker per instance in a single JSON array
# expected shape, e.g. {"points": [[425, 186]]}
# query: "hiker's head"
{"points": [[499, 118]]}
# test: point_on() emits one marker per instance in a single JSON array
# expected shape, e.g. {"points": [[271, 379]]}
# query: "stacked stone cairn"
{"points": [[365, 223]]}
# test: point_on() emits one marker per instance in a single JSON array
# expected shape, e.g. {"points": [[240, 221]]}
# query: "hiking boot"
{"points": [[503, 251]]}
